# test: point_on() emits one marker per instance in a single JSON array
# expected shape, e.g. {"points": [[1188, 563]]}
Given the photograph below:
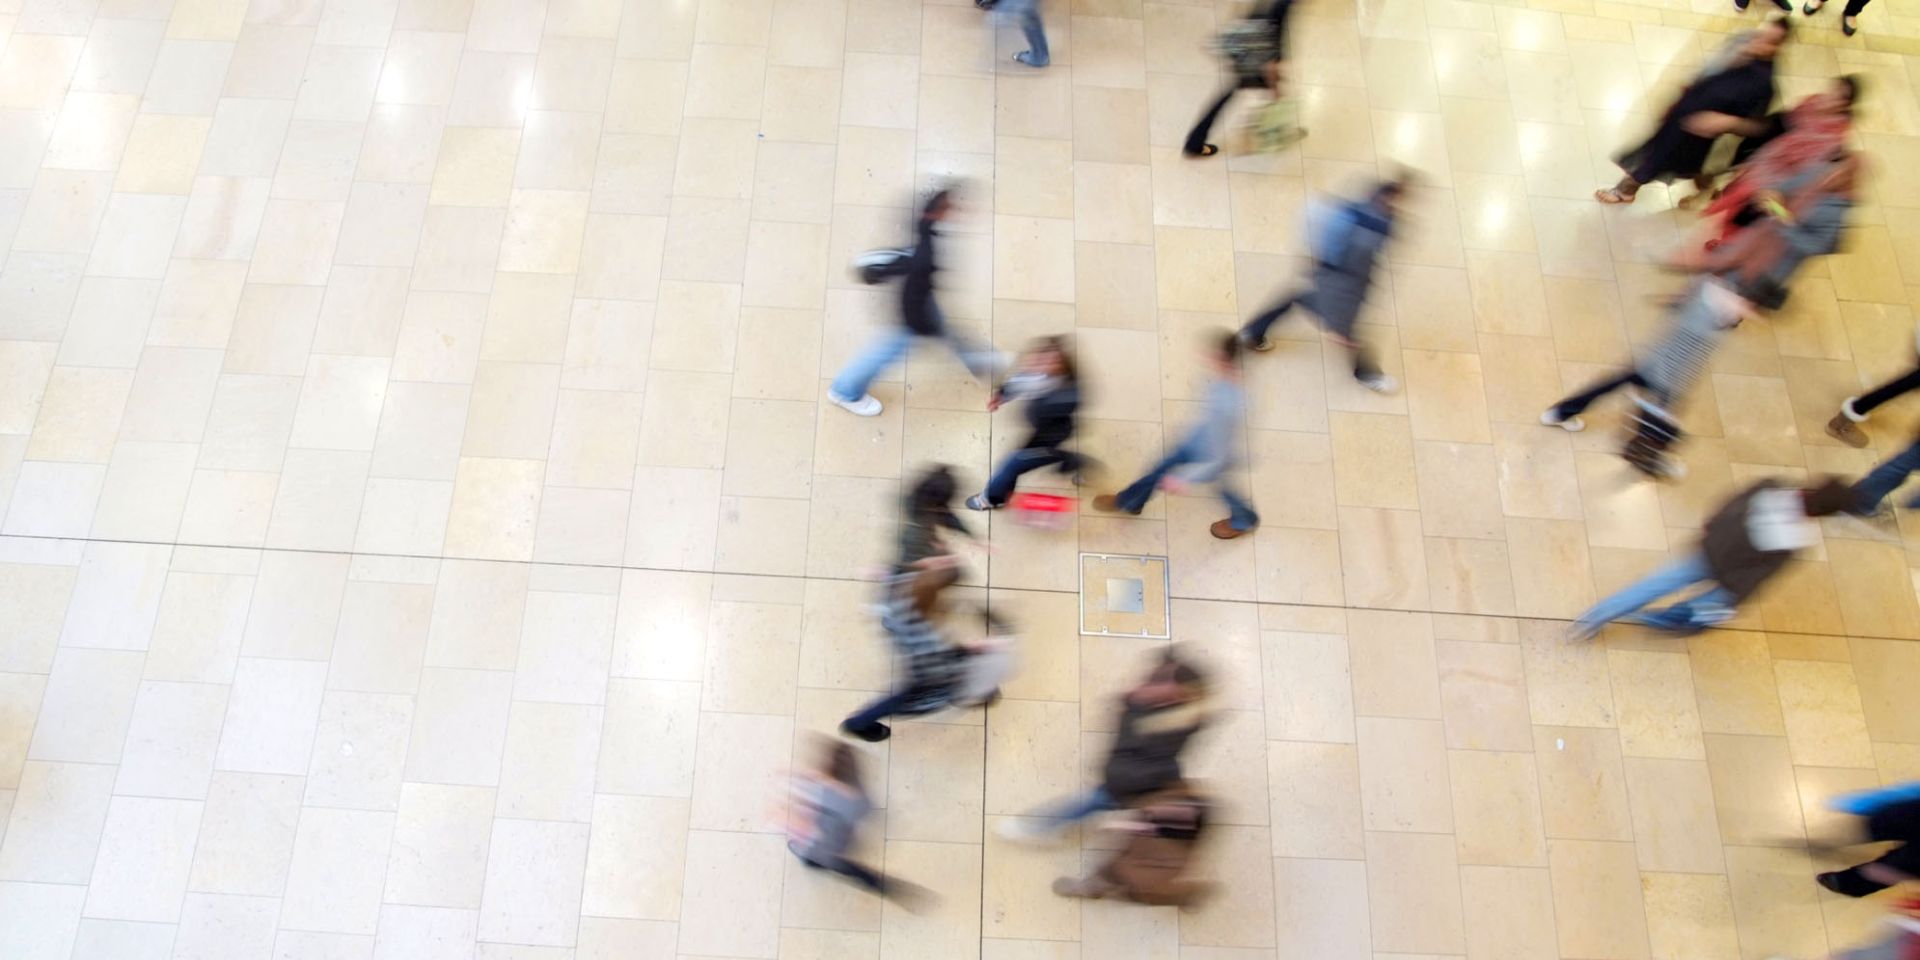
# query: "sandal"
{"points": [[1206, 150], [1812, 7], [1848, 27], [1612, 195]]}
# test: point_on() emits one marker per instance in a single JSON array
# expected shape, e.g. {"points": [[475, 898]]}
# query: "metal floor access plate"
{"points": [[1124, 596]]}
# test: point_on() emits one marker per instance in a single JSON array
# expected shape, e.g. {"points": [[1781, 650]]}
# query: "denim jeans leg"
{"points": [[1081, 806], [881, 352], [1036, 31], [1885, 478], [1714, 607], [1256, 328], [877, 711], [1240, 513], [1675, 575], [1000, 486], [1136, 495]]}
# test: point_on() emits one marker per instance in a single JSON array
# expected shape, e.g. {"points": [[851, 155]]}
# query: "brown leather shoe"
{"points": [[1223, 530], [1107, 503], [1846, 431]]}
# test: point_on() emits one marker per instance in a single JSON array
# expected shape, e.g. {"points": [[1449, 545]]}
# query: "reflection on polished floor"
{"points": [[425, 537]]}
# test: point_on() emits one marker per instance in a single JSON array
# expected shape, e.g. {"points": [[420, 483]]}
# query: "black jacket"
{"points": [[1051, 416], [917, 311], [1146, 751], [1737, 564]]}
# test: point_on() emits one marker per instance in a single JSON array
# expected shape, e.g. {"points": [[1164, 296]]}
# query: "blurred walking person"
{"points": [[936, 673], [1346, 239], [926, 518], [1745, 543], [1049, 382], [1889, 815], [1157, 720], [1256, 52], [1026, 15], [920, 316], [1206, 453], [1870, 494], [1154, 865], [1849, 18], [825, 807], [1730, 96]]}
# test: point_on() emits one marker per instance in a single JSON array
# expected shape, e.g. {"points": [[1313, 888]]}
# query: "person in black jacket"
{"points": [[1256, 50], [1749, 540], [920, 316], [1050, 384], [1157, 720]]}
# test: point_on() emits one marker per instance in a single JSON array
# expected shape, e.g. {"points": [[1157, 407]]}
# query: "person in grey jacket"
{"points": [[825, 807], [1344, 258], [1204, 454]]}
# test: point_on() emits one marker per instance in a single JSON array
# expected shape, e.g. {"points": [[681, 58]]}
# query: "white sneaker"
{"points": [[1023, 830], [867, 406], [1380, 383], [1569, 424]]}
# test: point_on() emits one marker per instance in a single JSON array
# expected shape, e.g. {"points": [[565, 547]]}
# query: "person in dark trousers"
{"points": [[920, 316], [1730, 98], [1748, 272], [1204, 455], [1870, 493], [934, 669], [1050, 384], [1256, 50], [1152, 866], [1746, 542], [1845, 425], [1849, 18], [1349, 238], [1897, 823], [824, 811], [1157, 720]]}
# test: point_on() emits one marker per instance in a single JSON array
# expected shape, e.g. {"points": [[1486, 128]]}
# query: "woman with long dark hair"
{"points": [[1050, 384], [826, 806]]}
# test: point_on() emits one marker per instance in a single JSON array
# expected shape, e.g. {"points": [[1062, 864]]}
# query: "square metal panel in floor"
{"points": [[1124, 596]]}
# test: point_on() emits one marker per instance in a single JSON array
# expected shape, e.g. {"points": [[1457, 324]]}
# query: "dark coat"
{"points": [[1671, 153], [1146, 751], [1736, 563], [917, 312]]}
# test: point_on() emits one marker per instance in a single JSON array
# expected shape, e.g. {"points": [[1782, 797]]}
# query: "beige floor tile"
{"points": [[1322, 907], [1496, 802], [1403, 776], [1413, 885], [1458, 490], [1582, 783], [952, 928], [1483, 692], [1772, 904], [1373, 461], [1674, 826], [1540, 546], [1690, 915], [1308, 690], [1754, 792], [1538, 478], [1509, 912], [1734, 684], [1821, 703], [1874, 597], [934, 791], [1393, 664], [1032, 754], [1018, 901], [1655, 699], [1316, 800], [1597, 900], [1383, 558]]}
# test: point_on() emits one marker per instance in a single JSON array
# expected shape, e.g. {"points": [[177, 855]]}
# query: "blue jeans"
{"points": [[1885, 478], [1028, 13], [1134, 498], [1708, 608], [1000, 485], [1079, 807], [891, 346]]}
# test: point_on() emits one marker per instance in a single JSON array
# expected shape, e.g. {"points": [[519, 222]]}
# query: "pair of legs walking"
{"points": [[865, 723], [1240, 514], [1254, 334], [1000, 485], [1900, 822], [890, 347], [1886, 478], [1026, 13], [1709, 607]]}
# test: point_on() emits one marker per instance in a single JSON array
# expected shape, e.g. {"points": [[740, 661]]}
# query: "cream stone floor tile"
{"points": [[1316, 800], [1582, 783], [1308, 688], [1734, 684], [1321, 907], [1496, 802], [1655, 698], [1373, 461], [1484, 697], [1821, 703], [1383, 558], [1413, 886], [1768, 905], [1403, 776], [929, 794]]}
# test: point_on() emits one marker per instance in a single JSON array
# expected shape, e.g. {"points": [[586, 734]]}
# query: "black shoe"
{"points": [[871, 734], [1786, 5], [1847, 27], [1810, 9], [1740, 5], [1829, 880]]}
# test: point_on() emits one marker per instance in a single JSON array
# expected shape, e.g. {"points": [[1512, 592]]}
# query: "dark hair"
{"points": [[1180, 670], [937, 203], [1785, 25], [842, 763], [1060, 346], [933, 492], [1227, 347]]}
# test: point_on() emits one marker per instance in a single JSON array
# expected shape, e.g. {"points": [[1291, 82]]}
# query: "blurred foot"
{"points": [[1849, 25], [1261, 345], [1024, 830], [1027, 57], [1108, 503], [871, 734], [867, 406], [978, 502], [1380, 383], [1083, 887], [1843, 429], [1225, 530], [1552, 418]]}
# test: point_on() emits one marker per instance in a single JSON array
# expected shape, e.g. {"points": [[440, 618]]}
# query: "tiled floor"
{"points": [[422, 526]]}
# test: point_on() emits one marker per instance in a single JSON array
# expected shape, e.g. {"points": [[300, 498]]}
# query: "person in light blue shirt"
{"points": [[1205, 454]]}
